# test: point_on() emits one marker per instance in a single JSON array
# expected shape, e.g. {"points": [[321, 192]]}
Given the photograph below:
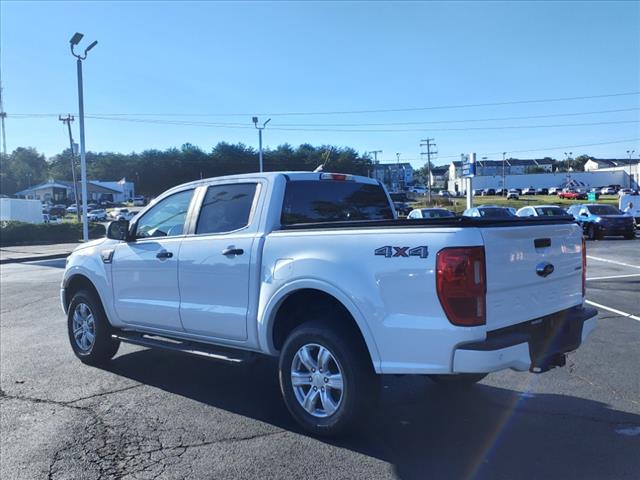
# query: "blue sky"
{"points": [[203, 60]]}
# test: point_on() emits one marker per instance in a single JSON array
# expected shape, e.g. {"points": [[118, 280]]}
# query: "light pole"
{"points": [[255, 123], [630, 153], [504, 177], [83, 159]]}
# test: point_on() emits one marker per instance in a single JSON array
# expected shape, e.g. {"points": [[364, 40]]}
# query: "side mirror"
{"points": [[118, 230]]}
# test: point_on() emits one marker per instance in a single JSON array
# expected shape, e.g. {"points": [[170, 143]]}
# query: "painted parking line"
{"points": [[613, 310], [614, 276], [600, 259]]}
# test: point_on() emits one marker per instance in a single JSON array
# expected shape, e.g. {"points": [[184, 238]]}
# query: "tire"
{"points": [[630, 236], [460, 380], [349, 358], [86, 314]]}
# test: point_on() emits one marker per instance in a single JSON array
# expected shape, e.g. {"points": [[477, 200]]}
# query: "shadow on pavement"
{"points": [[421, 429]]}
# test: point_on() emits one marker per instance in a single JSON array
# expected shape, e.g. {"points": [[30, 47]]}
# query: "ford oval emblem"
{"points": [[544, 269]]}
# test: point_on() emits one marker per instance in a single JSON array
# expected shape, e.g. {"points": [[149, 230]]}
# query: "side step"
{"points": [[185, 346]]}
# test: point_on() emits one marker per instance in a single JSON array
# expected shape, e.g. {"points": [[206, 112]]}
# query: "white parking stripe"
{"points": [[613, 310], [614, 276], [612, 261]]}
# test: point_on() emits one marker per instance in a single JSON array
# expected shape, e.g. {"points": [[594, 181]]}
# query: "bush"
{"points": [[21, 233]]}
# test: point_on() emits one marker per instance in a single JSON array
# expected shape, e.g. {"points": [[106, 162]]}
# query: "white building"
{"points": [[62, 191], [395, 176], [632, 167]]}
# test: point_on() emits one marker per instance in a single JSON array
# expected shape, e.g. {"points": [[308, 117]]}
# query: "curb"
{"points": [[52, 256]]}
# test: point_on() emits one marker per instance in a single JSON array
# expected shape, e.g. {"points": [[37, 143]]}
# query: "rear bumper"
{"points": [[536, 345]]}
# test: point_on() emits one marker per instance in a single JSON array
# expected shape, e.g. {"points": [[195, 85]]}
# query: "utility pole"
{"points": [[429, 142], [375, 155], [67, 121], [630, 153], [3, 115]]}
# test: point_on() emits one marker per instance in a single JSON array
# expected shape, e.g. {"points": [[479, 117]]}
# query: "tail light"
{"points": [[461, 285], [584, 267]]}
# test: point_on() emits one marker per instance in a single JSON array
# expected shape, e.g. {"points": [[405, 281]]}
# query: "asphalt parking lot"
{"points": [[154, 414]]}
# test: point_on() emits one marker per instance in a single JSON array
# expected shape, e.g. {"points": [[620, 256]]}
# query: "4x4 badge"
{"points": [[389, 251]]}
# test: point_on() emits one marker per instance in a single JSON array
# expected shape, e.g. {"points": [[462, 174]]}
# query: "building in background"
{"points": [[62, 191], [395, 176], [632, 167], [439, 176]]}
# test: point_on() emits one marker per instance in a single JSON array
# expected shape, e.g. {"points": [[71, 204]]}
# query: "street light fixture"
{"points": [[255, 123], [75, 40]]}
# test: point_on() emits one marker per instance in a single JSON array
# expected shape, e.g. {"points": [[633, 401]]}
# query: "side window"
{"points": [[166, 218], [226, 208]]}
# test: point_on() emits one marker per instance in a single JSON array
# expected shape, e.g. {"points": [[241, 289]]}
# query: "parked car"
{"points": [[46, 218], [500, 192], [73, 208], [92, 206], [444, 193], [139, 201], [430, 213], [489, 211], [542, 211], [488, 191], [335, 301], [528, 191], [513, 194], [58, 211], [599, 220], [542, 191], [608, 191], [554, 190], [121, 214], [626, 191], [97, 215], [477, 192], [571, 194]]}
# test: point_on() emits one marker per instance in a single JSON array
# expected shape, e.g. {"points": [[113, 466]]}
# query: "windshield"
{"points": [[550, 211], [439, 213], [603, 210], [495, 213]]}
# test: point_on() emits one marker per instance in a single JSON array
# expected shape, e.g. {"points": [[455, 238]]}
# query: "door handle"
{"points": [[232, 251], [164, 254]]}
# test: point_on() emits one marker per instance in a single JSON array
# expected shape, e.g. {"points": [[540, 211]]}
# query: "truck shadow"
{"points": [[423, 430]]}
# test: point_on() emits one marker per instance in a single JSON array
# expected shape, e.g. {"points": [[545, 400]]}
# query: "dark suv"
{"points": [[600, 220]]}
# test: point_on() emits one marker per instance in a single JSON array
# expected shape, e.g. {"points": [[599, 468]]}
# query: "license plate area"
{"points": [[550, 339]]}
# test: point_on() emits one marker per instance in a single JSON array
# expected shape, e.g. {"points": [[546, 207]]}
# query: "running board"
{"points": [[184, 346]]}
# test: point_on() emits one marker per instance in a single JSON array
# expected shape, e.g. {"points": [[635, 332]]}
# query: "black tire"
{"points": [[103, 347], [358, 394], [630, 236], [460, 380]]}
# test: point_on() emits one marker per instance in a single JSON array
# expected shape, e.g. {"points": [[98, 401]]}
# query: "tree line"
{"points": [[154, 171]]}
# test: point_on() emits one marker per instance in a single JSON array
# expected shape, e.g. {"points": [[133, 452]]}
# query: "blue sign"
{"points": [[468, 167]]}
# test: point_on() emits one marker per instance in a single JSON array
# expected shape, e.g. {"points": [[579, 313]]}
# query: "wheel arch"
{"points": [[310, 292], [74, 284]]}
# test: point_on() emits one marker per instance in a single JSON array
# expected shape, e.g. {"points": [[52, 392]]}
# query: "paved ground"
{"points": [[155, 414], [21, 253]]}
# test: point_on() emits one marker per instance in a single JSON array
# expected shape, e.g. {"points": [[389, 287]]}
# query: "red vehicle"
{"points": [[572, 195]]}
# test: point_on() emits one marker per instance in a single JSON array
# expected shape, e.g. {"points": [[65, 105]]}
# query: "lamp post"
{"points": [[83, 160], [630, 153], [504, 177], [255, 123]]}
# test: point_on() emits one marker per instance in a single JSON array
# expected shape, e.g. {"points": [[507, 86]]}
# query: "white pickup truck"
{"points": [[315, 268]]}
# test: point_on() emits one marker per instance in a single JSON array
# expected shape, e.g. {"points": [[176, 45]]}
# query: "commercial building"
{"points": [[395, 176], [631, 166], [57, 191]]}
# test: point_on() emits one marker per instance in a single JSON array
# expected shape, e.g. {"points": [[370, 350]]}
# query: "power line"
{"points": [[460, 129], [380, 110]]}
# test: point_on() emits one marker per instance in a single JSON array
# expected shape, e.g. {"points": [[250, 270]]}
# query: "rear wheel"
{"points": [[460, 380], [630, 236], [89, 330], [326, 378]]}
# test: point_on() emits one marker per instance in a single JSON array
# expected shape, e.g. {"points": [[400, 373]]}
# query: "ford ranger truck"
{"points": [[315, 269]]}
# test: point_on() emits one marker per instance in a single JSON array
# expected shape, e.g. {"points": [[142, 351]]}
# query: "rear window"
{"points": [[495, 213], [310, 201], [550, 211]]}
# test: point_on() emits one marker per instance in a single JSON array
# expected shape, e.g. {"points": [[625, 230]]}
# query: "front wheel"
{"points": [[89, 330], [326, 379]]}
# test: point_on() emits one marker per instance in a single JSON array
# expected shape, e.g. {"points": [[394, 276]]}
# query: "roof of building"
{"points": [[614, 162], [392, 165], [439, 170], [91, 187]]}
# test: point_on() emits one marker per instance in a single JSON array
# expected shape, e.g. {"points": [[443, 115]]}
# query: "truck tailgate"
{"points": [[518, 286]]}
